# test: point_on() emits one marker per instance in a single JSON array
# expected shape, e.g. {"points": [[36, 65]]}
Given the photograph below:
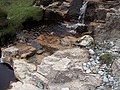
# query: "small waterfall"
{"points": [[82, 12], [81, 17]]}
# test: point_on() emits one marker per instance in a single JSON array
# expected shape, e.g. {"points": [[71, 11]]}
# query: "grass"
{"points": [[106, 59], [17, 12]]}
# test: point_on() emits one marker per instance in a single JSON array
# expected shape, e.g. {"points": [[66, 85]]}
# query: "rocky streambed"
{"points": [[68, 55]]}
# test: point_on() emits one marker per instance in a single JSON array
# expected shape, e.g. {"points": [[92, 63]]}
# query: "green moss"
{"points": [[106, 58], [17, 13]]}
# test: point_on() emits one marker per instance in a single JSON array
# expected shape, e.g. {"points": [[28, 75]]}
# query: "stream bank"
{"points": [[64, 58]]}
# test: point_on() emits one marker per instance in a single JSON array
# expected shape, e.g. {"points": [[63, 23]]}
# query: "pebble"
{"points": [[91, 51], [91, 59], [93, 63], [85, 68], [84, 64], [105, 79], [101, 72], [88, 71], [97, 58], [65, 89], [110, 78], [89, 63], [97, 61], [94, 71]]}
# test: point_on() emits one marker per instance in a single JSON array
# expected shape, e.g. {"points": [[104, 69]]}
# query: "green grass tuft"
{"points": [[17, 13], [106, 58]]}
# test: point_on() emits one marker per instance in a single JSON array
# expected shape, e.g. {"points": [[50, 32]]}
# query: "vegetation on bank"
{"points": [[17, 12]]}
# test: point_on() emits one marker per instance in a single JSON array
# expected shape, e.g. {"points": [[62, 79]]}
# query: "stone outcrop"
{"points": [[60, 71], [11, 52], [64, 68], [27, 76]]}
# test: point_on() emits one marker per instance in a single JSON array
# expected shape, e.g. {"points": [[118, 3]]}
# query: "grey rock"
{"points": [[64, 69], [11, 51], [86, 40], [116, 67], [20, 86], [27, 74], [109, 30]]}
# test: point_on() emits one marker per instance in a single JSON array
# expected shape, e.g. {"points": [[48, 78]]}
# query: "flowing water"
{"points": [[81, 17], [82, 12]]}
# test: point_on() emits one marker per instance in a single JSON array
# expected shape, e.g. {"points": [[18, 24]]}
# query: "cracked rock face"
{"points": [[60, 71], [63, 69], [110, 30]]}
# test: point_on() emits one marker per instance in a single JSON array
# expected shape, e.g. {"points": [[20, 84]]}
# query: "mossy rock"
{"points": [[106, 58]]}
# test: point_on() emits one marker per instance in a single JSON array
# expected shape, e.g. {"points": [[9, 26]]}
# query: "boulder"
{"points": [[63, 70], [26, 73], [22, 68], [60, 71], [62, 60], [85, 40], [26, 51], [11, 52]]}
